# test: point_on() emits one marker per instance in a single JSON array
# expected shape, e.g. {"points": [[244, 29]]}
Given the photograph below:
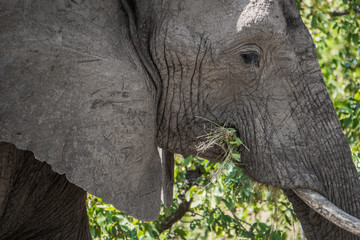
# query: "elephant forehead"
{"points": [[219, 21], [204, 17], [263, 13]]}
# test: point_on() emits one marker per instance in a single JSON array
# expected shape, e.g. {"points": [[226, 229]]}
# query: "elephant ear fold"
{"points": [[74, 92]]}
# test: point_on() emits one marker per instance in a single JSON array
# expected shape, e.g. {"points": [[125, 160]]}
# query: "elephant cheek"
{"points": [[282, 167]]}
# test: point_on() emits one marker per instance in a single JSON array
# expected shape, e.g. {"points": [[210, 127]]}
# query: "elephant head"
{"points": [[94, 88]]}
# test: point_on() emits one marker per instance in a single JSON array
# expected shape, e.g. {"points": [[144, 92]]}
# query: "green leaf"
{"points": [[355, 39], [187, 160], [238, 141], [346, 110], [213, 202], [189, 194], [229, 204], [218, 191], [144, 237], [101, 219], [236, 155], [346, 122], [198, 199], [180, 232], [92, 231], [313, 22]]}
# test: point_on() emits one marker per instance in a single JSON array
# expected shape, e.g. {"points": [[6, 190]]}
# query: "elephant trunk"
{"points": [[295, 137]]}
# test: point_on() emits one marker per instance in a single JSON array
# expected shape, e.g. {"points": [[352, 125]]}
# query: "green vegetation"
{"points": [[230, 205]]}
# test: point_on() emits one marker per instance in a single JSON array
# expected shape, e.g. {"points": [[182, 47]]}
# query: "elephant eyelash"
{"points": [[251, 58], [249, 53]]}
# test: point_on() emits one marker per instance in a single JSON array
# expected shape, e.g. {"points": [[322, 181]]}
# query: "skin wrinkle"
{"points": [[167, 80], [180, 100], [200, 73], [251, 116], [176, 111], [193, 73], [245, 114], [172, 99], [252, 124], [182, 95], [203, 41], [185, 118]]}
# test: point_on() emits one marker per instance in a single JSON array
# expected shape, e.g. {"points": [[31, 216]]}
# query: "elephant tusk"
{"points": [[328, 210]]}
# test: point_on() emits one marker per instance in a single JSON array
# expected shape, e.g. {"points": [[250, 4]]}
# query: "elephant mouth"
{"points": [[328, 210], [214, 154]]}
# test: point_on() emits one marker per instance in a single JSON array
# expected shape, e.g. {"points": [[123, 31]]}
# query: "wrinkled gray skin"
{"points": [[93, 88]]}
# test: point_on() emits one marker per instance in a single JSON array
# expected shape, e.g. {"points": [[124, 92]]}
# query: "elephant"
{"points": [[91, 89]]}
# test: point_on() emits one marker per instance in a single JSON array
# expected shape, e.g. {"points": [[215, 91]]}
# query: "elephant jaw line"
{"points": [[328, 210]]}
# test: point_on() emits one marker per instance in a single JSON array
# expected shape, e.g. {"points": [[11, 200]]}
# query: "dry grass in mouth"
{"points": [[227, 139]]}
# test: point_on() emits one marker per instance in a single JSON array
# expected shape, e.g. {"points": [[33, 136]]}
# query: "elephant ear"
{"points": [[75, 93]]}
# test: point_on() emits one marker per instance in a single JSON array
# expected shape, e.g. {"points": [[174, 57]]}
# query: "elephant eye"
{"points": [[251, 58]]}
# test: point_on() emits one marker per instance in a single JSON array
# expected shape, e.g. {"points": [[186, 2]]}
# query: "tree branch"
{"points": [[338, 14], [184, 206]]}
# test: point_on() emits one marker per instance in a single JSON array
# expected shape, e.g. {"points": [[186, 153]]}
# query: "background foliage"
{"points": [[234, 206]]}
